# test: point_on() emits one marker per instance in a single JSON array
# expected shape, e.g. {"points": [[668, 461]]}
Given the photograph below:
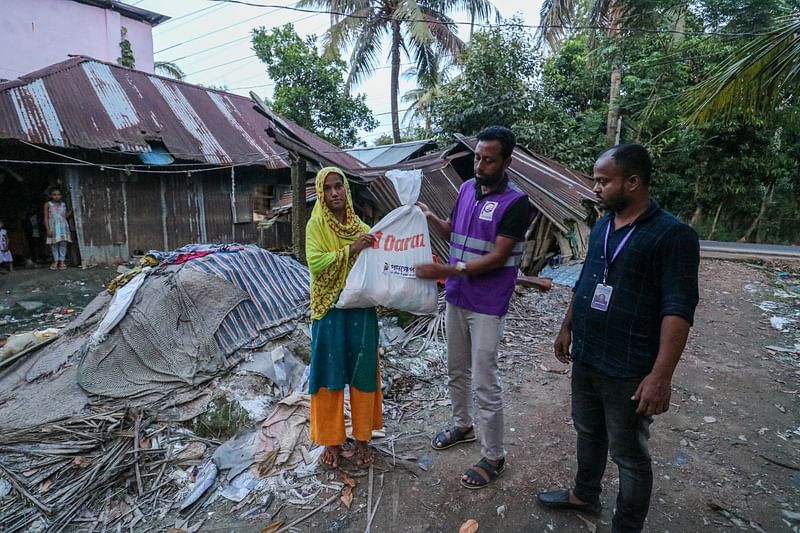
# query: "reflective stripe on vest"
{"points": [[472, 242], [480, 244], [514, 260]]}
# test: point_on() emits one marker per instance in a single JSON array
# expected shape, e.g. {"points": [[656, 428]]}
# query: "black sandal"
{"points": [[456, 436], [491, 470]]}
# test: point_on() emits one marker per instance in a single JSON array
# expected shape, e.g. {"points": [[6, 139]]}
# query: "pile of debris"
{"points": [[182, 385], [184, 389], [782, 311], [116, 414]]}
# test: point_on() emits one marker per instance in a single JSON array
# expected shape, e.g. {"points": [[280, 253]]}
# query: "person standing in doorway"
{"points": [[57, 227], [486, 232], [624, 332], [6, 258]]}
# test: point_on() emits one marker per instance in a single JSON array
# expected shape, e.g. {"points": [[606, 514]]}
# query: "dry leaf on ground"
{"points": [[470, 526], [347, 496], [273, 527], [348, 480]]}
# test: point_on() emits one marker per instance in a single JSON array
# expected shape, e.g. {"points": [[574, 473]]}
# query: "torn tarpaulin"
{"points": [[279, 366], [276, 446]]}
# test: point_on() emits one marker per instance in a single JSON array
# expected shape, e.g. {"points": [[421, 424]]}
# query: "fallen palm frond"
{"points": [[91, 471], [428, 329]]}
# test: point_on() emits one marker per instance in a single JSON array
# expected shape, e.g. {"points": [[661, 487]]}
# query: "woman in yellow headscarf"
{"points": [[344, 345]]}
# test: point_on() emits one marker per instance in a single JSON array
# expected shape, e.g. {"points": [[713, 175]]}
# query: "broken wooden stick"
{"points": [[541, 284], [309, 514], [17, 484], [784, 465]]}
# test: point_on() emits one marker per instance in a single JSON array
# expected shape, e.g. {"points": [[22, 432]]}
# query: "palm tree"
{"points": [[430, 80], [171, 70], [755, 79], [414, 27], [607, 15]]}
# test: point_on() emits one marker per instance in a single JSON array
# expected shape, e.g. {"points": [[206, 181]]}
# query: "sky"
{"points": [[210, 42]]}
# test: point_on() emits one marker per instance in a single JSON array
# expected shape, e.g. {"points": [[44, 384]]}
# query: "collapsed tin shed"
{"points": [[563, 197]]}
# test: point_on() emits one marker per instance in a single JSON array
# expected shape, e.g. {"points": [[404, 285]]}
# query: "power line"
{"points": [[74, 161], [172, 26], [209, 49], [487, 25], [226, 44], [218, 30], [239, 60], [252, 87]]}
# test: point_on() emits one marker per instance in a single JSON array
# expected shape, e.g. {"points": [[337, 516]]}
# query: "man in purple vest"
{"points": [[487, 233]]}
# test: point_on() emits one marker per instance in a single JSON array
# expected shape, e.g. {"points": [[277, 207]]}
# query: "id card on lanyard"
{"points": [[602, 292]]}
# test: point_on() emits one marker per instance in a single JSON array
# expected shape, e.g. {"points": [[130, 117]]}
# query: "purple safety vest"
{"points": [[475, 225]]}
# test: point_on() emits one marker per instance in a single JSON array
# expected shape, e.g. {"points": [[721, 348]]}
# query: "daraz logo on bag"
{"points": [[394, 244]]}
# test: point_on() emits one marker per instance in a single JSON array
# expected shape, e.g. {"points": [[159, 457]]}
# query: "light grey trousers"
{"points": [[472, 340]]}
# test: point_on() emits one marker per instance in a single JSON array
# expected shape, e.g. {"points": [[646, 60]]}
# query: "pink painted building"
{"points": [[38, 33]]}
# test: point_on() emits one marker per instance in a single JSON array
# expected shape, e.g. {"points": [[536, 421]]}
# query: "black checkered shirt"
{"points": [[654, 275]]}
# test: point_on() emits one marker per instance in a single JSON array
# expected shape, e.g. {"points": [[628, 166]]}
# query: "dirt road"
{"points": [[734, 417], [726, 455]]}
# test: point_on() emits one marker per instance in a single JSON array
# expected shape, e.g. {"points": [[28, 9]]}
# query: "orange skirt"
{"points": [[327, 415]]}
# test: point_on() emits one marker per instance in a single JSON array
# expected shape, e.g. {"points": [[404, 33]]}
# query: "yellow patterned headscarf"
{"points": [[328, 246]]}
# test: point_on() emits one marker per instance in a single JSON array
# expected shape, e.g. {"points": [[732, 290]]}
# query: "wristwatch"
{"points": [[461, 267]]}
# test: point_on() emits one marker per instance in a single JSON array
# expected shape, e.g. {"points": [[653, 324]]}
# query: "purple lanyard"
{"points": [[620, 246]]}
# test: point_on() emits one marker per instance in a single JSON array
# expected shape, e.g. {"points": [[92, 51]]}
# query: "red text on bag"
{"points": [[393, 243]]}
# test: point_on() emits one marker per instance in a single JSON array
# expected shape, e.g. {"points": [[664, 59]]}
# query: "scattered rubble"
{"points": [[235, 450]]}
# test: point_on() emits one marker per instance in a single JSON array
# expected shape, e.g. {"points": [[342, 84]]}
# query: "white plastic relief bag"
{"points": [[385, 274]]}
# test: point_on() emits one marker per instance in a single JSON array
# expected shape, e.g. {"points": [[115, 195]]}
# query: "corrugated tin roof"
{"points": [[85, 103], [294, 137], [557, 192], [390, 154]]}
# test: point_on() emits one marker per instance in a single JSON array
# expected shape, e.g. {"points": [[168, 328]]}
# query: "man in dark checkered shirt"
{"points": [[627, 323]]}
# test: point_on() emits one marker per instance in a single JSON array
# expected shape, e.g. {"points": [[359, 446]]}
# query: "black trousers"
{"points": [[606, 421]]}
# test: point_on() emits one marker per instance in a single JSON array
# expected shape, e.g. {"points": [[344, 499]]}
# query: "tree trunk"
{"points": [[761, 212], [770, 201], [714, 224], [471, 21], [395, 79], [613, 123], [299, 208], [680, 26], [697, 216], [698, 210]]}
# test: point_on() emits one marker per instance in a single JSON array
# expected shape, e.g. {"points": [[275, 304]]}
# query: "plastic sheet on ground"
{"points": [[566, 275], [277, 446], [5, 488], [118, 308], [281, 367], [23, 341], [240, 486], [283, 433], [236, 455], [205, 480]]}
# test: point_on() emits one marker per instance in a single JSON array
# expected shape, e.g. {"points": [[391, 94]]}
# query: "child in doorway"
{"points": [[55, 222], [6, 259]]}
